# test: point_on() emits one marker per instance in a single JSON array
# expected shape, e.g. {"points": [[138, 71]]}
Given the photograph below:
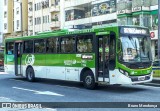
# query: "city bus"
{"points": [[113, 55]]}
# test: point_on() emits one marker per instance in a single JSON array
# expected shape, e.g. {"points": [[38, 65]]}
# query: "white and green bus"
{"points": [[111, 55]]}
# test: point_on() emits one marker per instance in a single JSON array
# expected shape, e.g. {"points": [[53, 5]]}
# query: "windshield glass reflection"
{"points": [[135, 49]]}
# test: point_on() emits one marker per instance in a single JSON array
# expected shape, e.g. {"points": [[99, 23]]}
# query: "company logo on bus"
{"points": [[29, 59]]}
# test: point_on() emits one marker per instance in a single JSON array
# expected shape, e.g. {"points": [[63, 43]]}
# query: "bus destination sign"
{"points": [[128, 30]]}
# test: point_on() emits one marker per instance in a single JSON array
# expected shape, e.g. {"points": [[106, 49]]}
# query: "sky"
{"points": [[1, 19]]}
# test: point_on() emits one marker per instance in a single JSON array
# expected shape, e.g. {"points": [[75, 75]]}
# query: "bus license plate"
{"points": [[141, 78]]}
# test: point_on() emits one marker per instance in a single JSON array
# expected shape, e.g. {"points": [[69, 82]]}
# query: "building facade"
{"points": [[15, 18], [43, 15], [88, 13], [141, 13], [1, 22], [8, 18], [20, 25]]}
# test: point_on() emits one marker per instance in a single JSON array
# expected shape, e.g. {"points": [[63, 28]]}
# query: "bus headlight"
{"points": [[124, 72], [121, 71]]}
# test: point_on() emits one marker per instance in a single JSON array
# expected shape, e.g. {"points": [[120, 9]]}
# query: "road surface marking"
{"points": [[17, 80], [39, 92], [3, 73], [147, 86], [67, 87]]}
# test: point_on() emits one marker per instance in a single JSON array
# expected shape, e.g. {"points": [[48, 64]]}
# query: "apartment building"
{"points": [[141, 13], [20, 26], [7, 18], [1, 22], [88, 13], [15, 18], [43, 15]]}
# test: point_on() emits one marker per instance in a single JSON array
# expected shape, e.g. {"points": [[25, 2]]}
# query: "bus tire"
{"points": [[89, 80], [30, 74]]}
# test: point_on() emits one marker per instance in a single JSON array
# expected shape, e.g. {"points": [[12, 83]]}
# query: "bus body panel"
{"points": [[63, 66], [118, 78]]}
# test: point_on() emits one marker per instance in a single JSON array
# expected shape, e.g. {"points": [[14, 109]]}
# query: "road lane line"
{"points": [[67, 87], [39, 92], [17, 80], [148, 86]]}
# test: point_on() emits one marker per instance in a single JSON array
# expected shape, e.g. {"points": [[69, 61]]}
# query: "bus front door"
{"points": [[18, 58], [103, 59]]}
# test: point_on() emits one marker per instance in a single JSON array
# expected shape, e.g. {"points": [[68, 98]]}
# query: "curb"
{"points": [[156, 80], [3, 73]]}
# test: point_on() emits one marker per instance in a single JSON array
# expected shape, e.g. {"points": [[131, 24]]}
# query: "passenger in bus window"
{"points": [[10, 51]]}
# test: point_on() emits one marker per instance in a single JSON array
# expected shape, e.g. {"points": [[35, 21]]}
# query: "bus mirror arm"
{"points": [[119, 46]]}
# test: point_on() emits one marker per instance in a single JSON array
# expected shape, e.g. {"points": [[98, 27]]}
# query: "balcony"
{"points": [[30, 1], [54, 8], [154, 2], [55, 24], [72, 3], [139, 5], [124, 7]]}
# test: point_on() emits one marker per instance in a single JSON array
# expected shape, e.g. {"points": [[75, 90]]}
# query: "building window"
{"points": [[5, 14], [136, 20], [5, 2], [35, 6], [17, 9], [155, 22], [17, 24], [5, 25], [35, 21], [146, 20], [48, 19]]}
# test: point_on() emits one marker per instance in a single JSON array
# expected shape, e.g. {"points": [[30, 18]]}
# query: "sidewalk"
{"points": [[3, 73], [156, 80]]}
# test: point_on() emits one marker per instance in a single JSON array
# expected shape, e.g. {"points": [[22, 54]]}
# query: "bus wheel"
{"points": [[30, 74], [88, 80]]}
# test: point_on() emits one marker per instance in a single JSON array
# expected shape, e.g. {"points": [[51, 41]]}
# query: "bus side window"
{"points": [[52, 45], [28, 47], [84, 43], [9, 49], [39, 46], [67, 45]]}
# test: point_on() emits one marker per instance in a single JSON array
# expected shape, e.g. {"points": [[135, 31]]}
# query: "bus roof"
{"points": [[64, 32]]}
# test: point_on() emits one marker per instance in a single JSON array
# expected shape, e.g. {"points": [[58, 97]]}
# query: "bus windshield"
{"points": [[135, 49]]}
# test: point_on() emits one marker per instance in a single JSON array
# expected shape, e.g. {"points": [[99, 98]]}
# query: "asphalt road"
{"points": [[17, 89]]}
